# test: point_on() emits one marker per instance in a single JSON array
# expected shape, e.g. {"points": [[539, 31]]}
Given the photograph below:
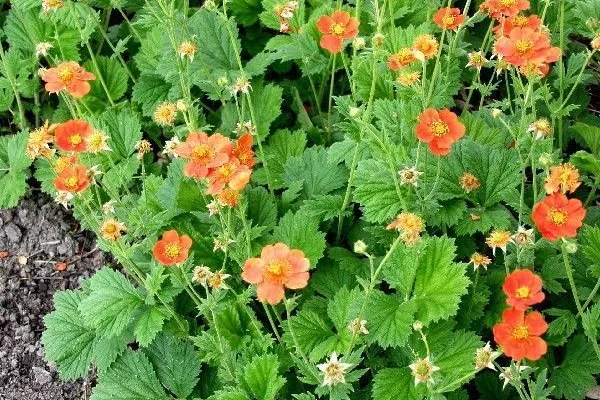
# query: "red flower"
{"points": [[504, 8], [524, 46], [557, 216], [242, 150], [69, 76], [518, 21], [519, 334], [204, 153], [440, 129], [72, 135], [172, 249], [523, 288], [448, 18], [73, 179], [277, 267], [335, 29]]}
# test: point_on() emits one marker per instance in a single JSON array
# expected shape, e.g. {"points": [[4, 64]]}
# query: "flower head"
{"points": [[108, 207], [448, 18], [62, 162], [335, 29], [333, 371], [165, 113], [68, 76], [541, 128], [523, 237], [217, 281], [171, 146], [479, 260], [229, 197], [485, 356], [63, 198], [523, 289], [504, 8], [427, 45], [557, 216], [358, 327], [562, 178], [38, 141], [476, 60], [187, 49], [143, 147], [242, 150], [97, 141], [409, 176], [277, 268], [172, 248], [73, 179], [422, 370], [201, 275], [408, 78], [508, 373], [519, 334], [401, 59], [518, 21], [112, 229], [469, 182], [440, 129], [410, 227], [203, 153], [72, 135], [41, 49], [232, 175], [242, 85], [526, 46], [498, 239]]}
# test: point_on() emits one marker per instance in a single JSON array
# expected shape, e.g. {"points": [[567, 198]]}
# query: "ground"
{"points": [[35, 239]]}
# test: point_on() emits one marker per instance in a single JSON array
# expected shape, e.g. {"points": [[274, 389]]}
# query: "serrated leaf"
{"points": [[111, 304], [13, 168], [149, 91], [114, 75], [324, 207], [262, 378], [267, 107], [216, 48], [301, 232], [124, 130], [130, 378], [439, 282], [175, 363], [395, 384], [455, 359], [389, 319], [313, 334], [282, 145], [375, 191], [262, 208], [149, 323]]}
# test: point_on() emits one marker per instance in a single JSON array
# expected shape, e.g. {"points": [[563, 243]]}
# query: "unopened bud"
{"points": [[378, 40], [418, 326], [222, 81], [545, 160], [570, 246], [360, 247], [359, 43], [354, 112]]}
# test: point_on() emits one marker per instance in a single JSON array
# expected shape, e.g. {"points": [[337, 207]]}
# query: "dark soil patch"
{"points": [[35, 238]]}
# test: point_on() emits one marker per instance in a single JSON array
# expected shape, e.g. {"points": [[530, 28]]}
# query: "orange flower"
{"points": [[557, 216], [469, 182], [519, 334], [448, 18], [69, 76], [518, 21], [172, 249], [72, 135], [63, 162], [525, 46], [440, 129], [401, 59], [499, 240], [277, 267], [231, 174], [426, 44], [242, 150], [73, 179], [203, 152], [562, 178], [335, 29], [523, 288], [38, 142], [504, 8], [229, 197], [479, 260]]}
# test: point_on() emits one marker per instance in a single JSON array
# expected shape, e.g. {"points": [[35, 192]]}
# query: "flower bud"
{"points": [[360, 247], [222, 81], [545, 160], [570, 246], [596, 43], [359, 43], [418, 326], [354, 112], [378, 40], [496, 112]]}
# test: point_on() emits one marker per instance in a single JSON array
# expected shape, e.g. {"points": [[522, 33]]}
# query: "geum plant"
{"points": [[306, 199]]}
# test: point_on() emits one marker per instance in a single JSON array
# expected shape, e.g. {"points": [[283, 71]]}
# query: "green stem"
{"points": [[100, 78], [330, 100]]}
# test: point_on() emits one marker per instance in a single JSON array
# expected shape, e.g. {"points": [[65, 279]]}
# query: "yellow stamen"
{"points": [[439, 128]]}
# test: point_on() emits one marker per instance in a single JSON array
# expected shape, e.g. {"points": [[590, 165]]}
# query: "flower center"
{"points": [[521, 332], [279, 270], [333, 370], [202, 153], [172, 250], [439, 128], [558, 217], [71, 182], [423, 370], [226, 170], [75, 139], [507, 3], [449, 19], [66, 75], [110, 229], [520, 21], [523, 46], [337, 29], [523, 292]]}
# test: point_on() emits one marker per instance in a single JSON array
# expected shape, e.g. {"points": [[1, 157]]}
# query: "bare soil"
{"points": [[35, 239]]}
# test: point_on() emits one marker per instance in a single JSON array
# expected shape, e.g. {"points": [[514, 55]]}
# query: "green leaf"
{"points": [[130, 378], [344, 307], [13, 169], [149, 91], [218, 42], [325, 207], [175, 363], [300, 47], [124, 131], [262, 378], [114, 75], [389, 319], [455, 359], [267, 107], [561, 327], [375, 191], [149, 323], [245, 11], [319, 175], [590, 134], [301, 232], [395, 384], [575, 375], [282, 146], [314, 336], [262, 208], [111, 304], [439, 282], [586, 162]]}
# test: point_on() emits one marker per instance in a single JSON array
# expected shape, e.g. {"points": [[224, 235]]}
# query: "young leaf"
{"points": [[218, 42], [301, 232], [262, 378], [389, 319], [149, 323], [395, 384], [111, 304], [282, 145], [13, 169], [124, 130], [175, 363], [267, 107], [375, 191]]}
